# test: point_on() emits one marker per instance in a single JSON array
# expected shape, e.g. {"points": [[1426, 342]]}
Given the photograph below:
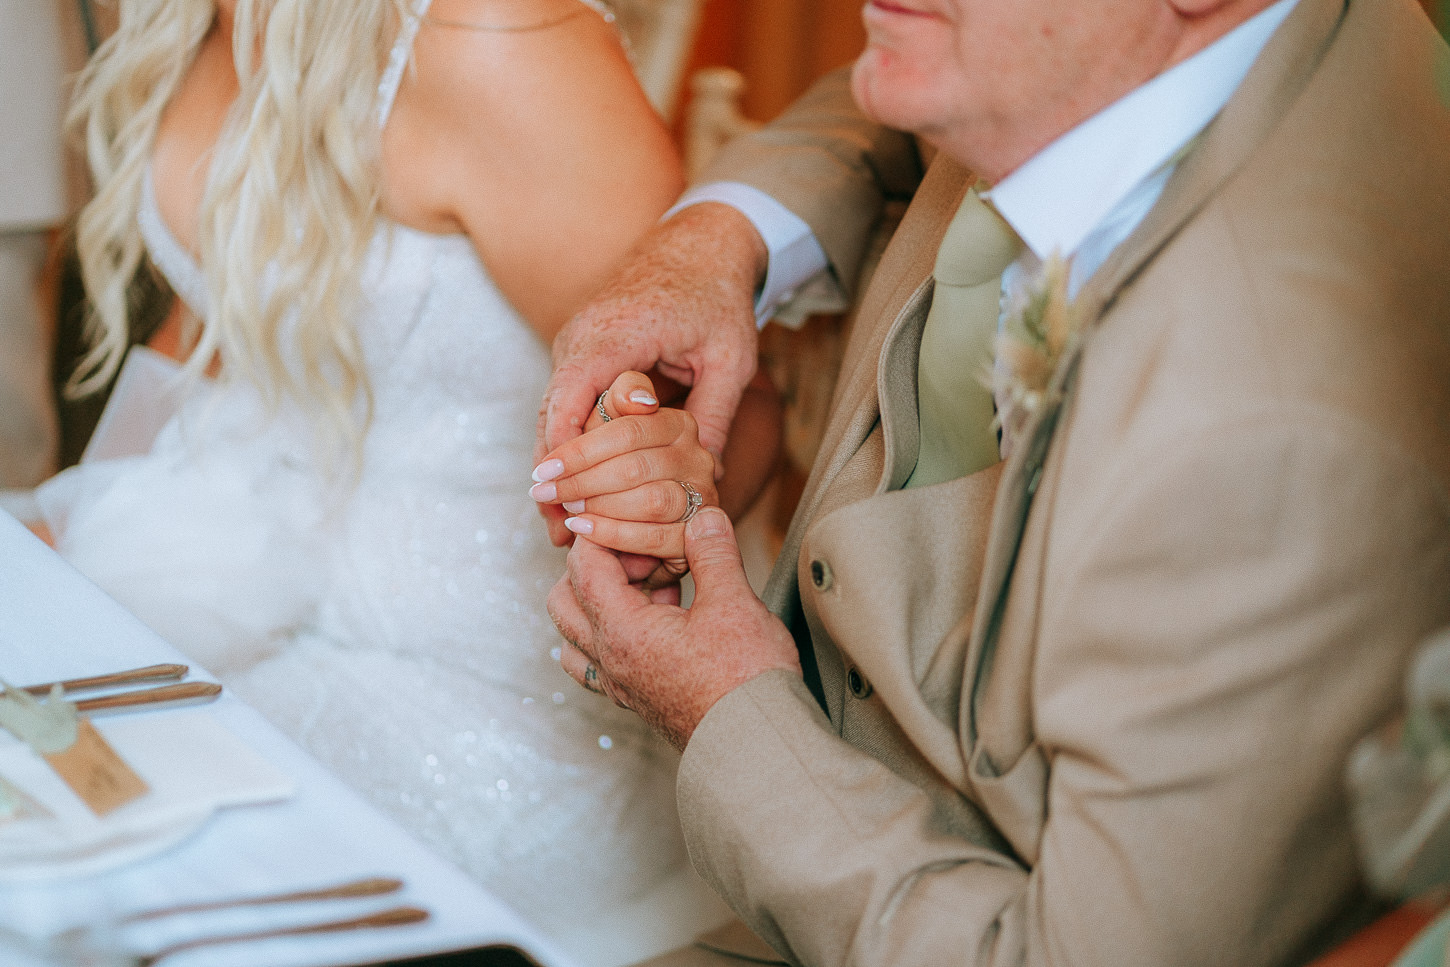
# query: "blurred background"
{"points": [[778, 46]]}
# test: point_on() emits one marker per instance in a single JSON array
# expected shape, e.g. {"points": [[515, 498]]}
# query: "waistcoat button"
{"points": [[821, 575], [858, 684]]}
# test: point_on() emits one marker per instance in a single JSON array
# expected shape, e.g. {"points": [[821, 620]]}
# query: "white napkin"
{"points": [[192, 764], [147, 394]]}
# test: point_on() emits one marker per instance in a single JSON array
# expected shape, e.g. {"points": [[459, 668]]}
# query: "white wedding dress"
{"points": [[395, 627]]}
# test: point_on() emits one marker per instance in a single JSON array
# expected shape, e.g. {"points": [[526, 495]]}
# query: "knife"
{"points": [[151, 673], [186, 693]]}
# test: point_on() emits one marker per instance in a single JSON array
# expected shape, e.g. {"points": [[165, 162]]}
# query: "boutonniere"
{"points": [[1039, 326]]}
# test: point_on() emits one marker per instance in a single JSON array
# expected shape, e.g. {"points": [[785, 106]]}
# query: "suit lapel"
{"points": [[898, 293], [1272, 84]]}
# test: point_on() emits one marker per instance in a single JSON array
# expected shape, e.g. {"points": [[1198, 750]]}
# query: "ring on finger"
{"points": [[599, 405], [693, 501], [591, 679]]}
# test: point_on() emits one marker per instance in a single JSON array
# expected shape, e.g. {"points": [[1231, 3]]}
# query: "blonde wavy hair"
{"points": [[291, 199]]}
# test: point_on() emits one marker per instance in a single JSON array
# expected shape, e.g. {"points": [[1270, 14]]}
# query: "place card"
{"points": [[192, 764], [95, 772], [72, 747]]}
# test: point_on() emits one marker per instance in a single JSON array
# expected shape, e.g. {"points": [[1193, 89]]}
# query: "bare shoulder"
{"points": [[522, 121], [493, 82], [491, 68]]}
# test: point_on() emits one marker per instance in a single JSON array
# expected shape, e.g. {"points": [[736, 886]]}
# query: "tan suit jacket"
{"points": [[1116, 735]]}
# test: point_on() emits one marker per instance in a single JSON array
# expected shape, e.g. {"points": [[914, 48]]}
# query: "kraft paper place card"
{"points": [[94, 771], [190, 762], [72, 746]]}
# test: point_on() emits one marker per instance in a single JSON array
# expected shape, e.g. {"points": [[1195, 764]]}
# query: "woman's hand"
{"points": [[624, 481], [681, 304]]}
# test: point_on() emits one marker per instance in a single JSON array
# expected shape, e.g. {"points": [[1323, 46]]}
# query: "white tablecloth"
{"points": [[54, 624]]}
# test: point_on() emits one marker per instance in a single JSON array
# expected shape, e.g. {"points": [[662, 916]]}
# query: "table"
{"points": [[55, 624]]}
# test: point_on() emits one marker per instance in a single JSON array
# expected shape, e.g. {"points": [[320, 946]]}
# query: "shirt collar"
{"points": [[1058, 197]]}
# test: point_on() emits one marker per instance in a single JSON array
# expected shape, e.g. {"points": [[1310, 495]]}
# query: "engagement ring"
{"points": [[599, 405], [693, 498]]}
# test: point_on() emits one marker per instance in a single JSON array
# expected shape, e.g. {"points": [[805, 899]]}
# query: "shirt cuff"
{"points": [[795, 255]]}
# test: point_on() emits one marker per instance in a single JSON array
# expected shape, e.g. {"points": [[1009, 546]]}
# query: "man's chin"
{"points": [[861, 82], [877, 94], [885, 100]]}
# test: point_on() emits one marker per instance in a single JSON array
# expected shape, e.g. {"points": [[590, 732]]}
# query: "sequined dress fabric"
{"points": [[395, 626]]}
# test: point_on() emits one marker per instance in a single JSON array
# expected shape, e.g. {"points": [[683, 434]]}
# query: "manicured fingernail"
{"points": [[543, 492], [640, 396], [548, 470], [579, 525], [574, 506]]}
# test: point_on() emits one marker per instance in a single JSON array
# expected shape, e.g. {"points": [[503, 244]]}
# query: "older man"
{"points": [[1089, 704]]}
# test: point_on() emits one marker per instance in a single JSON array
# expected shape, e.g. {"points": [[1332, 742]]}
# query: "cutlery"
{"points": [[151, 673], [373, 886], [186, 693], [396, 917], [84, 937]]}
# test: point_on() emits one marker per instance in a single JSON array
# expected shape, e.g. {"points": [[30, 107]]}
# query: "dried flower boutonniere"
{"points": [[1040, 324]]}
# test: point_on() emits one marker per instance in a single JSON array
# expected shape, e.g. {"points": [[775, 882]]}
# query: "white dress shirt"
{"points": [[1084, 194], [1079, 197]]}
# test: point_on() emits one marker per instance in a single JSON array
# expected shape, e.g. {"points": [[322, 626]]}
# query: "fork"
{"points": [[151, 673], [372, 886], [85, 941], [396, 917]]}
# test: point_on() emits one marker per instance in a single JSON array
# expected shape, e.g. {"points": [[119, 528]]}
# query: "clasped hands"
{"points": [[618, 604], [626, 481]]}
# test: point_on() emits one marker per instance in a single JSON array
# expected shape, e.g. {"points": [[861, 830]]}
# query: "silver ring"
{"points": [[591, 679], [599, 405], [693, 498]]}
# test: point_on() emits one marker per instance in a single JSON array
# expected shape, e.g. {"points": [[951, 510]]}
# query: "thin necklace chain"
{"points": [[595, 5], [502, 28]]}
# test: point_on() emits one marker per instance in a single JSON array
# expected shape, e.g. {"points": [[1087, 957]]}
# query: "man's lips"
{"points": [[887, 6]]}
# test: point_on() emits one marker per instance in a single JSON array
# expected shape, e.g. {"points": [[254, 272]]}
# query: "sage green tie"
{"points": [[954, 401]]}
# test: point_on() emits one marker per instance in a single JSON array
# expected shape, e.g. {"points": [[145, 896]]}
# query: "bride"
{"points": [[313, 477]]}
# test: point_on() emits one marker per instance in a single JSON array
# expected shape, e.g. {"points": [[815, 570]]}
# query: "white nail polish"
{"points": [[574, 506], [548, 470], [643, 398]]}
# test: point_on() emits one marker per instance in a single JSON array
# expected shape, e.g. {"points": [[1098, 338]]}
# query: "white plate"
{"points": [[47, 849], [192, 765]]}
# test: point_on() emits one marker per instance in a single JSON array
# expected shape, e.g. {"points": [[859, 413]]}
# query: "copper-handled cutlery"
{"points": [[134, 676], [396, 917], [191, 692], [179, 693], [185, 693], [372, 886], [80, 937]]}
